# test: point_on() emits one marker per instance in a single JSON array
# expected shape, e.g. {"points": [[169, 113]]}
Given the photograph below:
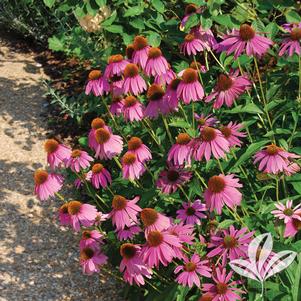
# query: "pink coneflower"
{"points": [[132, 264], [191, 270], [156, 102], [47, 184], [171, 178], [273, 159], [222, 190], [190, 9], [116, 106], [91, 259], [56, 153], [171, 96], [293, 226], [185, 235], [116, 86], [124, 211], [81, 214], [156, 63], [230, 244], [204, 120], [196, 66], [100, 176], [153, 220], [109, 145], [90, 237], [141, 48], [291, 169], [116, 65], [192, 213], [232, 133], [64, 216], [128, 232], [210, 142], [245, 40], [79, 182], [132, 109], [97, 84], [159, 248], [228, 89], [205, 36], [291, 43], [166, 78], [133, 82], [142, 152], [192, 45], [132, 168], [189, 88], [181, 151], [286, 212], [78, 160], [222, 289], [100, 217], [129, 52], [97, 123]]}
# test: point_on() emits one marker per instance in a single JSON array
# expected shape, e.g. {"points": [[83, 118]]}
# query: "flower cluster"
{"points": [[195, 170]]}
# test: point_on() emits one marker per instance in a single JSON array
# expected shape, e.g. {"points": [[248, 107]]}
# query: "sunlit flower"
{"points": [[232, 133], [47, 184], [124, 211], [78, 160], [141, 48], [156, 63], [274, 159], [171, 96], [116, 65], [245, 40], [97, 84], [287, 212], [166, 78], [90, 237], [222, 190], [181, 151], [91, 259], [223, 288], [133, 82], [132, 109], [205, 120], [228, 88], [142, 152], [56, 153], [116, 106], [190, 89], [192, 45], [100, 176], [97, 123], [191, 270], [192, 213], [132, 168], [211, 142], [230, 244], [128, 232], [153, 220]]}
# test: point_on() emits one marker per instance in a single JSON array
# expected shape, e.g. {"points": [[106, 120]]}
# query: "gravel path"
{"points": [[38, 259]]}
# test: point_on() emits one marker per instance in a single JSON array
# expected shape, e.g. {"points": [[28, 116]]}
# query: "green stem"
{"points": [[187, 197], [220, 166], [167, 129], [60, 196], [218, 62], [197, 67], [183, 111], [277, 189], [200, 178]]}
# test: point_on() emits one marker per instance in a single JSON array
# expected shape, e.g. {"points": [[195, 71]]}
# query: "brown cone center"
{"points": [[154, 238], [230, 242], [296, 34], [131, 70], [129, 51], [119, 202], [216, 184], [129, 158], [154, 53], [155, 92], [221, 288], [97, 123], [130, 101], [190, 211], [134, 143], [173, 175], [94, 74], [86, 254], [115, 58], [183, 139], [140, 42], [208, 134], [246, 32], [74, 207], [174, 84], [102, 136], [97, 168], [226, 131], [189, 76], [189, 37], [190, 266], [272, 149], [40, 176], [51, 146], [76, 153], [128, 250], [224, 82], [149, 216], [86, 234]]}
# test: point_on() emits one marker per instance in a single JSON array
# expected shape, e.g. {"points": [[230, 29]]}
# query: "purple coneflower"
{"points": [[91, 259], [78, 160], [56, 153], [116, 106], [140, 54], [156, 63], [203, 120], [192, 45], [133, 82], [232, 133], [97, 84], [142, 152], [116, 65], [181, 151], [132, 109], [291, 42], [153, 220], [132, 168], [100, 176], [192, 213]]}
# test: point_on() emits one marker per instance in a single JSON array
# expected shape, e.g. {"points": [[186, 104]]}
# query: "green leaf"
{"points": [[180, 123], [49, 3], [292, 17], [114, 28], [271, 30], [225, 20], [192, 21], [110, 20], [225, 224], [158, 5], [154, 39], [101, 3], [137, 23], [249, 108], [56, 44], [295, 180], [134, 11], [83, 141], [296, 288], [252, 149]]}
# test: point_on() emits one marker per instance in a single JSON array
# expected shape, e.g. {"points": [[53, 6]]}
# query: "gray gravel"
{"points": [[38, 259]]}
